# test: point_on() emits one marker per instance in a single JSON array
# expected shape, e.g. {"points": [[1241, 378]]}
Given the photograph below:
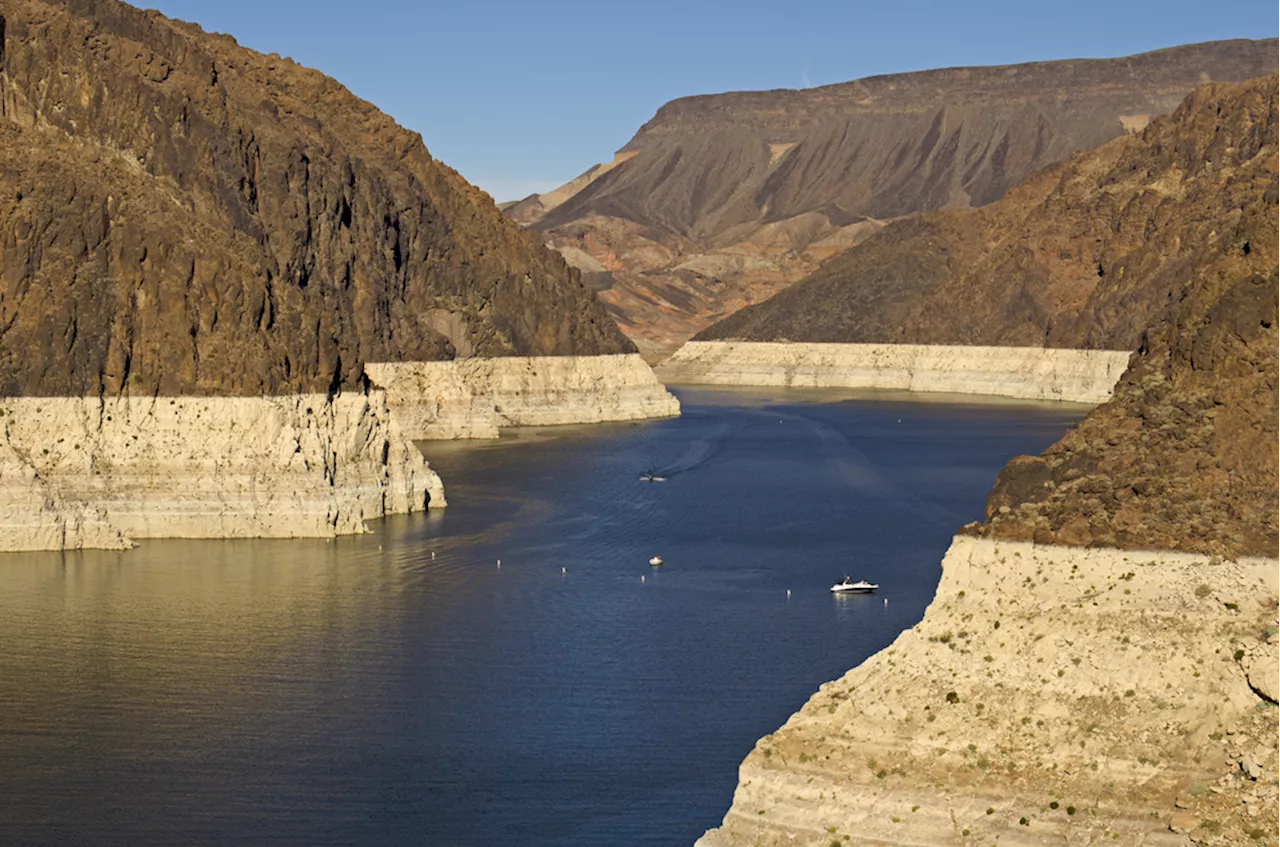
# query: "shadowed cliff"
{"points": [[180, 215]]}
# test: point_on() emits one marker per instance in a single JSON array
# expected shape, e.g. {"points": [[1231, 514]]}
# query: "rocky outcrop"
{"points": [[725, 199], [1067, 684], [1089, 253], [1049, 694], [100, 473], [1031, 373], [180, 215], [472, 398], [200, 249]]}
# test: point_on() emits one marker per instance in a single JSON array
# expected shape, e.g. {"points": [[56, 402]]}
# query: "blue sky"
{"points": [[522, 96]]}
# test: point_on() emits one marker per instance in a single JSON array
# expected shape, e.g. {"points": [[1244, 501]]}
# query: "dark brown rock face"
{"points": [[1166, 244], [723, 200], [180, 215]]}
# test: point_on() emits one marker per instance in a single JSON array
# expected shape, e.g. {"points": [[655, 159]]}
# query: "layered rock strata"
{"points": [[722, 200], [182, 216], [472, 398], [200, 245], [1065, 685], [1049, 695], [1087, 253], [78, 472], [1030, 373]]}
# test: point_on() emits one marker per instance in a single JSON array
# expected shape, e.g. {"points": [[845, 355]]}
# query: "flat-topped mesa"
{"points": [[1086, 254], [1028, 373], [473, 398], [722, 200], [183, 219]]}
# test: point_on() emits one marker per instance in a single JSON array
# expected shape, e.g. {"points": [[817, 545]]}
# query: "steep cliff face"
{"points": [[1083, 696], [1086, 254], [179, 215], [200, 249], [1164, 244], [724, 199], [1051, 695], [1029, 373]]}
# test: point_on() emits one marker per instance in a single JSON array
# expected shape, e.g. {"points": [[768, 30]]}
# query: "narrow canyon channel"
{"points": [[402, 687]]}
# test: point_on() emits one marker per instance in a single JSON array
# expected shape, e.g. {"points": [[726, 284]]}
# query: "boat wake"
{"points": [[699, 452]]}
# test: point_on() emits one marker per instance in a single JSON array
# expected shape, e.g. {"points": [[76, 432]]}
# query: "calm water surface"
{"points": [[366, 691]]}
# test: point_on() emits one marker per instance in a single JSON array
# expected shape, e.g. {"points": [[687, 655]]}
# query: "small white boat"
{"points": [[648, 477], [655, 561], [848, 586]]}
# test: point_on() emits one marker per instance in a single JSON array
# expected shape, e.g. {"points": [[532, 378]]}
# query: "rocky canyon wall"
{"points": [[472, 398], [201, 247], [79, 472], [1050, 695], [1029, 373]]}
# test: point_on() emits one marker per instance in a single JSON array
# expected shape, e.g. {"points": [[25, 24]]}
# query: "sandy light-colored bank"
{"points": [[85, 472], [473, 398], [1050, 695], [1031, 373]]}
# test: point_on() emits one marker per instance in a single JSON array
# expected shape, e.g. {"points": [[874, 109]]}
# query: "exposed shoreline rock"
{"points": [[1049, 693], [201, 247], [86, 472], [472, 398], [1031, 373]]}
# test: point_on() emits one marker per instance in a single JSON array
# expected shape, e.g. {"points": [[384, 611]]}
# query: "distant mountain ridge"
{"points": [[721, 200], [1164, 244]]}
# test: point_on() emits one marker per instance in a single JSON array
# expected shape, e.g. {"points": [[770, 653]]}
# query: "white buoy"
{"points": [[564, 570], [886, 601], [788, 593], [642, 579], [499, 564], [433, 554]]}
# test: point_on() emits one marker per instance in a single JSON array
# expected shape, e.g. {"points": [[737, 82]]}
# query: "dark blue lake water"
{"points": [[364, 691]]}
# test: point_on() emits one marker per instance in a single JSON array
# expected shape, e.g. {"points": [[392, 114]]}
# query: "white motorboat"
{"points": [[655, 561], [648, 477], [848, 586]]}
